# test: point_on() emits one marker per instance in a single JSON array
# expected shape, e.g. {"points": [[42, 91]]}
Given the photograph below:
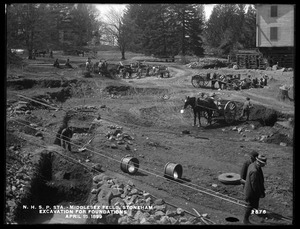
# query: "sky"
{"points": [[105, 7]]}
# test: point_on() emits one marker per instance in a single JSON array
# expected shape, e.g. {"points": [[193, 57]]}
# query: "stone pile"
{"points": [[20, 107], [117, 135], [207, 63], [132, 206], [270, 135], [86, 107], [18, 178]]}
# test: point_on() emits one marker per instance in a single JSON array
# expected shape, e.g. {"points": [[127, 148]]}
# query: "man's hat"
{"points": [[261, 159], [253, 154]]}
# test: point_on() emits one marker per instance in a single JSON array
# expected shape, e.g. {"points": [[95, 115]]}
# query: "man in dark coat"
{"points": [[68, 64], [65, 137], [254, 187], [253, 154], [61, 137], [56, 63]]}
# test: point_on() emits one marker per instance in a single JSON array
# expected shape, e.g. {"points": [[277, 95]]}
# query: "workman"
{"points": [[56, 63], [254, 186], [68, 64], [253, 154], [65, 138], [63, 127], [246, 108]]}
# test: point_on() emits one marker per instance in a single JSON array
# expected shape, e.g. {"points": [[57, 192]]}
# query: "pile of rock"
{"points": [[117, 135], [18, 178], [270, 135], [86, 107], [207, 63], [132, 206], [20, 107]]}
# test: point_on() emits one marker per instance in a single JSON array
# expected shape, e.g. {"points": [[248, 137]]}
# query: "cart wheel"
{"points": [[196, 80], [230, 112], [203, 82]]}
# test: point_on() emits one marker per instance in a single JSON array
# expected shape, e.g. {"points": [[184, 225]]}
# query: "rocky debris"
{"points": [[207, 63], [20, 107], [277, 134], [117, 135], [128, 205], [18, 177], [97, 167], [86, 108]]}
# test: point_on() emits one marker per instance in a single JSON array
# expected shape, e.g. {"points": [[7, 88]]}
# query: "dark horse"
{"points": [[199, 106]]}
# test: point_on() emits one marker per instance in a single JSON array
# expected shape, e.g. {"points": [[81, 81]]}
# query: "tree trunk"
{"points": [[123, 54]]}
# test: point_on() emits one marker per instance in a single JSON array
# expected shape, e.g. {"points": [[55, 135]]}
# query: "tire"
{"points": [[230, 178]]}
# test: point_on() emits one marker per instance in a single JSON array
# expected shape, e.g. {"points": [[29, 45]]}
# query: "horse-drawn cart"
{"points": [[210, 108], [227, 81], [225, 109]]}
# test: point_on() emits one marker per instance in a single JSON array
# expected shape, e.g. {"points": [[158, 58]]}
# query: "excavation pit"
{"points": [[56, 182]]}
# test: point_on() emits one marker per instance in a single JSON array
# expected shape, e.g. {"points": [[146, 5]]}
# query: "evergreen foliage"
{"points": [[162, 30]]}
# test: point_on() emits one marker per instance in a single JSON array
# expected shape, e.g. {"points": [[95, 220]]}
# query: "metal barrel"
{"points": [[129, 164], [173, 170]]}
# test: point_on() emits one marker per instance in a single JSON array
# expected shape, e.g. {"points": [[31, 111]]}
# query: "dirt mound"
{"points": [[280, 138], [266, 116], [129, 90], [120, 89], [208, 63], [71, 181], [21, 126], [54, 180]]}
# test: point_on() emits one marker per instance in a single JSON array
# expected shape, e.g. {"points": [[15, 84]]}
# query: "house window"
{"points": [[273, 33], [274, 11]]}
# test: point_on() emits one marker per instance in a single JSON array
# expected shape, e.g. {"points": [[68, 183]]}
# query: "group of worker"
{"points": [[102, 65], [67, 64], [246, 83], [254, 82]]}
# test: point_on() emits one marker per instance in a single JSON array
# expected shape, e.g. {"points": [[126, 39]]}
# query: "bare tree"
{"points": [[116, 27]]}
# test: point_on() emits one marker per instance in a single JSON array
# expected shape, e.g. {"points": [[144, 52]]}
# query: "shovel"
{"points": [[206, 221], [83, 148]]}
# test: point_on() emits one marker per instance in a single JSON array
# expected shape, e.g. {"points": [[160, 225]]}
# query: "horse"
{"points": [[198, 106]]}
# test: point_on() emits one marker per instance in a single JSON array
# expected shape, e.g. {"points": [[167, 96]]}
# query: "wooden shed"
{"points": [[252, 59]]}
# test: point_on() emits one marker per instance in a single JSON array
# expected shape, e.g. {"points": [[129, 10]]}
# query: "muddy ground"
{"points": [[148, 110]]}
